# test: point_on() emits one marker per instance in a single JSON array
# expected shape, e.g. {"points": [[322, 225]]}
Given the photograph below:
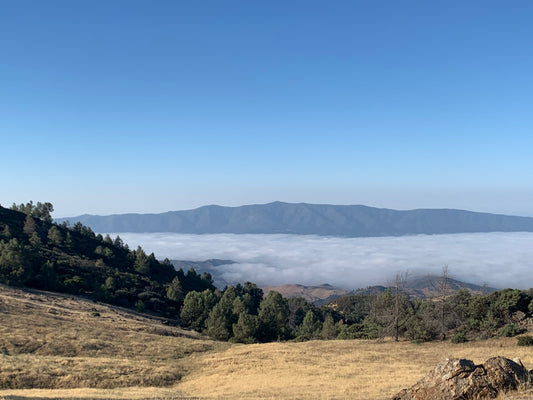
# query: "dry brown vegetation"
{"points": [[54, 341], [51, 340]]}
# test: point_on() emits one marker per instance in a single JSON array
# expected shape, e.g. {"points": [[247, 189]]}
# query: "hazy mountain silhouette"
{"points": [[304, 219]]}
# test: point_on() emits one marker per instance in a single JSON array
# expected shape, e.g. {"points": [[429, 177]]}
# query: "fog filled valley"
{"points": [[497, 259]]}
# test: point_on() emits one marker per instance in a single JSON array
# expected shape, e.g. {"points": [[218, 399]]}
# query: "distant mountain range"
{"points": [[319, 295], [420, 287], [307, 219]]}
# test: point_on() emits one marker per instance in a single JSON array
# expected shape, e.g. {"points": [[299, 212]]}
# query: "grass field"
{"points": [[88, 350]]}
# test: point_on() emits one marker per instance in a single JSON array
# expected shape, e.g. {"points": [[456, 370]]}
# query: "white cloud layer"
{"points": [[497, 259]]}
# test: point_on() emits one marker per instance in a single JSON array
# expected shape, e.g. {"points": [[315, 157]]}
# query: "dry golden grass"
{"points": [[330, 369], [55, 342], [49, 340]]}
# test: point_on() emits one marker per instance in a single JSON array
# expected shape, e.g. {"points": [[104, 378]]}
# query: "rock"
{"points": [[518, 316], [460, 379]]}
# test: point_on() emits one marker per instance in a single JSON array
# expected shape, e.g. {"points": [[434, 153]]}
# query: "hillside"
{"points": [[305, 219], [316, 294], [56, 346], [428, 286], [418, 287], [36, 253], [50, 340]]}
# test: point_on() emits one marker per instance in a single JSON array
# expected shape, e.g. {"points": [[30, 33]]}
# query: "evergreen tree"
{"points": [[108, 253], [54, 236], [109, 284], [196, 308], [310, 327], [252, 297], [273, 318], [68, 240], [47, 278], [142, 263], [174, 291], [239, 306], [35, 241], [29, 225], [14, 270], [245, 330], [6, 232], [219, 324], [43, 211], [118, 242], [329, 329]]}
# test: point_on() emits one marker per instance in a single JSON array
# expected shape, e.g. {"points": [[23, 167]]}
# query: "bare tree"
{"points": [[441, 287], [389, 309], [399, 301], [443, 300]]}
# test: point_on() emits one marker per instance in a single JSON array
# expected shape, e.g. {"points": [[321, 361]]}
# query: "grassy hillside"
{"points": [[66, 347], [49, 340]]}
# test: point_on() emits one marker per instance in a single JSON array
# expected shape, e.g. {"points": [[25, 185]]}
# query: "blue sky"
{"points": [[149, 106]]}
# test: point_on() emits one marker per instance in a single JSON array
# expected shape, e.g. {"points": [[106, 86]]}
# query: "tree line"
{"points": [[460, 316]]}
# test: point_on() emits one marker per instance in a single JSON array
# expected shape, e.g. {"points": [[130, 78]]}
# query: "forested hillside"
{"points": [[37, 253]]}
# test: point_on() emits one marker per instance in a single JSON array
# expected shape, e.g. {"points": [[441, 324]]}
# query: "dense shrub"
{"points": [[510, 330], [525, 341], [459, 337]]}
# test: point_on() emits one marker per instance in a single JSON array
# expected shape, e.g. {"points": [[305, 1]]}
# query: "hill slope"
{"points": [[304, 219], [58, 342], [37, 253], [419, 287], [49, 340], [316, 294]]}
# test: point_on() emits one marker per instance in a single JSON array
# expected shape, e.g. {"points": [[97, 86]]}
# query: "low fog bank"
{"points": [[497, 259]]}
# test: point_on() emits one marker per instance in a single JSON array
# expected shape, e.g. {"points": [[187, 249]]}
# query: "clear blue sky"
{"points": [[149, 106]]}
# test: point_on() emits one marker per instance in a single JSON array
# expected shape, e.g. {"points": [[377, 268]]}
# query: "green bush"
{"points": [[459, 337], [510, 330], [140, 306], [525, 341]]}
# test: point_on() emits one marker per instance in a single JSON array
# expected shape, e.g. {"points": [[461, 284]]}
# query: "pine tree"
{"points": [[245, 330], [54, 236], [219, 324], [174, 290], [68, 240], [196, 308], [35, 240], [329, 329], [14, 270], [142, 263], [6, 232], [310, 327], [273, 317], [29, 225]]}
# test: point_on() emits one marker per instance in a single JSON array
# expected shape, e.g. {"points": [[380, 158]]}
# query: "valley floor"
{"points": [[61, 342]]}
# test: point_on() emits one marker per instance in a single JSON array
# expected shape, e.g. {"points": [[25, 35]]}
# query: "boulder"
{"points": [[461, 379]]}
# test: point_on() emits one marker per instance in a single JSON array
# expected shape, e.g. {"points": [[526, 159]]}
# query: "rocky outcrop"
{"points": [[460, 379]]}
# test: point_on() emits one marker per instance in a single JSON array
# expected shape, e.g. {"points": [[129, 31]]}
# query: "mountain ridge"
{"points": [[418, 287], [308, 219]]}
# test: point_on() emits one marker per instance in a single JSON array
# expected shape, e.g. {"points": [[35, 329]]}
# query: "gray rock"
{"points": [[460, 379]]}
